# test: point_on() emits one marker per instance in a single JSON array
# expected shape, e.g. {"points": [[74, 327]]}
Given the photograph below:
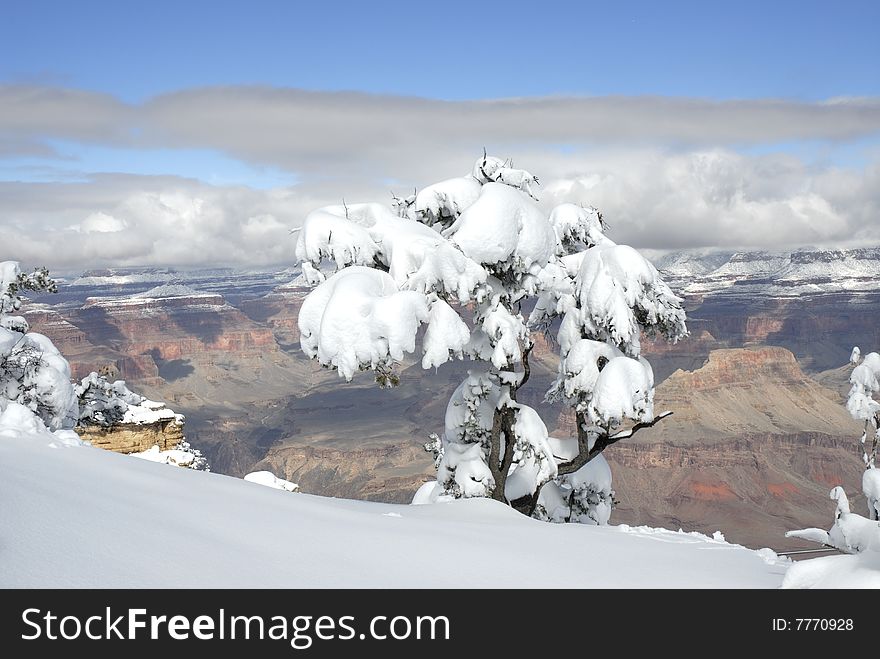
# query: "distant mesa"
{"points": [[168, 290], [773, 274]]}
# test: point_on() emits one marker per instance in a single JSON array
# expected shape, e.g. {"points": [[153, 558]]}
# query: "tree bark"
{"points": [[495, 457], [502, 424], [500, 462]]}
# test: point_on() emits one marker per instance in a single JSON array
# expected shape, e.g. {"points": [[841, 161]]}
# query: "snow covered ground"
{"points": [[81, 517], [842, 571]]}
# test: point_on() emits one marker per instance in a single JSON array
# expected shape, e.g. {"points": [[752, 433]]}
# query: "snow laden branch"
{"points": [[445, 274]]}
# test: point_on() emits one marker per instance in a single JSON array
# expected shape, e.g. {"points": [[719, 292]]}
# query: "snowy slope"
{"points": [[82, 517]]}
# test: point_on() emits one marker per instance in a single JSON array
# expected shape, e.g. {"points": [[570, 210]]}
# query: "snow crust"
{"points": [[850, 533], [859, 571]]}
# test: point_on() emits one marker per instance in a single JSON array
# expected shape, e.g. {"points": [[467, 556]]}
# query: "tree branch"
{"points": [[527, 369], [602, 442]]}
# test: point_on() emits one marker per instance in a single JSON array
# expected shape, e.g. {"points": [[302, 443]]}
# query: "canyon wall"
{"points": [[752, 448]]}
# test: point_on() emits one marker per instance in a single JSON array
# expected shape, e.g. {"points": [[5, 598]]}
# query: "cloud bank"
{"points": [[667, 172]]}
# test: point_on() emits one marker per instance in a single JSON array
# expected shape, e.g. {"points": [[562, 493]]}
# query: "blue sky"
{"points": [[450, 50], [691, 124]]}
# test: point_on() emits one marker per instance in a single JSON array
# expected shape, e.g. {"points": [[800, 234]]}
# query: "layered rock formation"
{"points": [[134, 437], [391, 473], [171, 323], [816, 303], [279, 310], [172, 342]]}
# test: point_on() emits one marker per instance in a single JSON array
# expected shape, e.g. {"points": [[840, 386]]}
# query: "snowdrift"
{"points": [[75, 516]]}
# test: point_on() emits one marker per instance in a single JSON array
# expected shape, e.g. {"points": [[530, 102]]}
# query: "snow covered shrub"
{"points": [[850, 533], [104, 403], [583, 496], [32, 371], [182, 455], [199, 462], [479, 244]]}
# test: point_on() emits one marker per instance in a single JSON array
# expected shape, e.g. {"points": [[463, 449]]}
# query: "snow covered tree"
{"points": [[860, 403], [852, 533], [32, 371], [480, 245]]}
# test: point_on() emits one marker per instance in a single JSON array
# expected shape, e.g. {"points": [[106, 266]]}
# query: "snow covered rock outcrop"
{"points": [[116, 419]]}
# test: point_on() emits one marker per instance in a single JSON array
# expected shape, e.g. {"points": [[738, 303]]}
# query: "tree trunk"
{"points": [[527, 504], [499, 462]]}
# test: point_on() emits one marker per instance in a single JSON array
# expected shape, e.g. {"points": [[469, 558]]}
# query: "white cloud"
{"points": [[357, 134], [140, 220], [652, 199], [666, 172], [723, 199], [101, 223]]}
